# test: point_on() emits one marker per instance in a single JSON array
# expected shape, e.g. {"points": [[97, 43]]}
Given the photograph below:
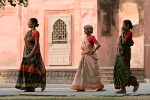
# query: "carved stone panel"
{"points": [[59, 39]]}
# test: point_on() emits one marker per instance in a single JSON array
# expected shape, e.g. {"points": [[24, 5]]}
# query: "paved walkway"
{"points": [[64, 90]]}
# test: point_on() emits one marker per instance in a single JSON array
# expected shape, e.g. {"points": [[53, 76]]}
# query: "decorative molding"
{"points": [[61, 76], [147, 41]]}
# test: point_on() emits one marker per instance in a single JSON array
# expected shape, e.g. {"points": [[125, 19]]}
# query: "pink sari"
{"points": [[88, 73]]}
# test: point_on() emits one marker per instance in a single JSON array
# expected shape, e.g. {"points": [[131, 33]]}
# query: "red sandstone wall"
{"points": [[109, 29], [12, 34], [147, 38], [9, 37]]}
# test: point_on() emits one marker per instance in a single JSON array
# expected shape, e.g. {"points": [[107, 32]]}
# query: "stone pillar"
{"points": [[147, 39], [107, 28]]}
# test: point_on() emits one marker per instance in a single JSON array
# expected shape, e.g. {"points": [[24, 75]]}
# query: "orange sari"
{"points": [[32, 73]]}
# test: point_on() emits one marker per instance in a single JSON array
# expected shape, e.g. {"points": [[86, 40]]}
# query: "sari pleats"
{"points": [[122, 73], [87, 76], [32, 72]]}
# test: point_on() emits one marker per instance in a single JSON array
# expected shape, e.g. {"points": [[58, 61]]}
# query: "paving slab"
{"points": [[64, 90]]}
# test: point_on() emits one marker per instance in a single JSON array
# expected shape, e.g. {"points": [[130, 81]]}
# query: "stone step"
{"points": [[107, 74], [103, 72], [107, 81], [112, 81], [106, 78], [111, 75], [64, 76]]}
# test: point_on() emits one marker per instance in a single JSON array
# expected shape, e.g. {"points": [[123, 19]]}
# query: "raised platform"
{"points": [[66, 75]]}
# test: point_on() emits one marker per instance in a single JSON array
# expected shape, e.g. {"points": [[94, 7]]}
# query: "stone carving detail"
{"points": [[60, 76], [59, 28], [147, 41], [66, 76], [59, 34]]}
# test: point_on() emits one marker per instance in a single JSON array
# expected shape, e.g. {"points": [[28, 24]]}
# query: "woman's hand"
{"points": [[30, 55], [91, 53], [82, 48], [97, 47]]}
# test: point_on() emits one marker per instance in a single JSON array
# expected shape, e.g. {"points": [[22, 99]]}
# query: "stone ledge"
{"points": [[65, 75]]}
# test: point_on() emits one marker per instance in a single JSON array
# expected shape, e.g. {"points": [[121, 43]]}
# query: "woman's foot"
{"points": [[30, 90], [101, 90], [42, 88], [121, 91], [80, 90], [135, 88]]}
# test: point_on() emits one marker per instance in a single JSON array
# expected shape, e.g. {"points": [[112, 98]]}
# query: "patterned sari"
{"points": [[122, 74], [88, 72], [32, 73]]}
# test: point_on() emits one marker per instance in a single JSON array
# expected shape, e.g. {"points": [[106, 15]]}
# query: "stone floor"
{"points": [[64, 90]]}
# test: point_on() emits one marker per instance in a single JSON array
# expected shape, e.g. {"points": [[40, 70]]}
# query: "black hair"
{"points": [[128, 22], [35, 21]]}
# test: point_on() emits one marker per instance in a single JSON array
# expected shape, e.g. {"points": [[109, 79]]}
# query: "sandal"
{"points": [[101, 90], [80, 90], [30, 90], [42, 88], [135, 88]]}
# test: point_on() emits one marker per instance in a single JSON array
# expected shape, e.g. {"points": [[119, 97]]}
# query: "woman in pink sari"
{"points": [[88, 73]]}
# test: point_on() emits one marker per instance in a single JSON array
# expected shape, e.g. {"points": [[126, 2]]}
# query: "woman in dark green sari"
{"points": [[122, 73], [32, 73]]}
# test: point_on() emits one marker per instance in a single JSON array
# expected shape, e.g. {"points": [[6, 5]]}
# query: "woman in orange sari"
{"points": [[88, 73], [32, 73]]}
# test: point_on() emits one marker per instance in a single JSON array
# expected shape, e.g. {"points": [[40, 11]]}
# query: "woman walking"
{"points": [[88, 73], [32, 73], [122, 73]]}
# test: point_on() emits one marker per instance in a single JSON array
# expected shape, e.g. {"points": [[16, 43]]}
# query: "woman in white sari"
{"points": [[88, 73]]}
